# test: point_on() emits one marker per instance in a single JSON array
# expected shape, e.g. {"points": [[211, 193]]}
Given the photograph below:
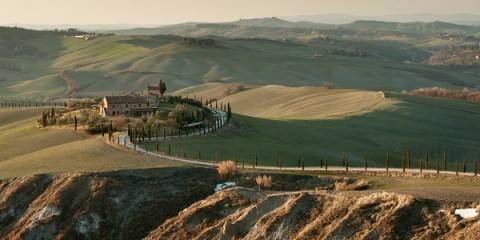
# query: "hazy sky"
{"points": [[167, 12]]}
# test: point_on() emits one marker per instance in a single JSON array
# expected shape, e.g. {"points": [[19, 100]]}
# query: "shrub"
{"points": [[226, 168], [263, 181], [464, 94], [328, 85]]}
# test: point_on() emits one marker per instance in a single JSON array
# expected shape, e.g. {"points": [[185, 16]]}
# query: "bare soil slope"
{"points": [[305, 103], [249, 214], [115, 205]]}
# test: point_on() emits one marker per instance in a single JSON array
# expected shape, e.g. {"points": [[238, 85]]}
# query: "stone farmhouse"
{"points": [[131, 105]]}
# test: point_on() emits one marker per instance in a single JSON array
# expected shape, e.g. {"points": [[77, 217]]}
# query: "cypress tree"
{"points": [[464, 166], [158, 147], [475, 167], [169, 150], [303, 164], [229, 113], [326, 164], [76, 122], [199, 155]]}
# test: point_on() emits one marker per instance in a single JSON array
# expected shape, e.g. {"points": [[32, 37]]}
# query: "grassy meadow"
{"points": [[419, 124], [26, 149]]}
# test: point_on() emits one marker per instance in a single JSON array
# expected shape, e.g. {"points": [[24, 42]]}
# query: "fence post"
{"points": [[346, 162], [426, 165], [387, 162], [366, 162], [475, 167], [409, 159], [456, 164], [444, 161], [421, 166]]}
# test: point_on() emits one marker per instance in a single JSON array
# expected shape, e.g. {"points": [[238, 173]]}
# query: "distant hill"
{"points": [[462, 19], [412, 27], [268, 27]]}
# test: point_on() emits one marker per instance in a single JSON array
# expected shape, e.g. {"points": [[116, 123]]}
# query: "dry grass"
{"points": [[14, 115], [215, 90], [226, 168], [26, 149], [347, 186], [305, 103], [264, 181]]}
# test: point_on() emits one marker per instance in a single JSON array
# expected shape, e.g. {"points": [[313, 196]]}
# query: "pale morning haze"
{"points": [[167, 12]]}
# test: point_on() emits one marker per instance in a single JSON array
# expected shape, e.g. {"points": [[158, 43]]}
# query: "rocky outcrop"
{"points": [[249, 214], [116, 205]]}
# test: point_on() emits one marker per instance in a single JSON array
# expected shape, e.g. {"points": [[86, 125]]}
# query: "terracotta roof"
{"points": [[126, 99]]}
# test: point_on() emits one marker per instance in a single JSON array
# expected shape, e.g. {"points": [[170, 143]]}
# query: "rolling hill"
{"points": [[419, 124], [305, 103], [119, 64], [26, 149]]}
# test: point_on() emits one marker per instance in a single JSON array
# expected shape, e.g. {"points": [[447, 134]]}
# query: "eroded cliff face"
{"points": [[117, 205], [249, 214], [179, 203]]}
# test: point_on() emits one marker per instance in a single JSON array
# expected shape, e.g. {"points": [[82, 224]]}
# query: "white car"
{"points": [[223, 186]]}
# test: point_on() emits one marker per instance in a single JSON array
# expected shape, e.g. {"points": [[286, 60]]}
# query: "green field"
{"points": [[417, 124], [63, 66]]}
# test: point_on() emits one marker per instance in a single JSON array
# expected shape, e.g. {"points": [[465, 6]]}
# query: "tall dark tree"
{"points": [[163, 88], [229, 113], [76, 122]]}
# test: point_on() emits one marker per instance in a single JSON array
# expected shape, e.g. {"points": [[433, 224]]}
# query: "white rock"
{"points": [[467, 213], [224, 185]]}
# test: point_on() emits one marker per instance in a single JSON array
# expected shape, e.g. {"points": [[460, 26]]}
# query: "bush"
{"points": [[464, 94], [263, 181], [328, 85], [226, 168]]}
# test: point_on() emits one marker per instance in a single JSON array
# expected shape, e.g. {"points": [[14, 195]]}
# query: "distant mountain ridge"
{"points": [[338, 18], [275, 23]]}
